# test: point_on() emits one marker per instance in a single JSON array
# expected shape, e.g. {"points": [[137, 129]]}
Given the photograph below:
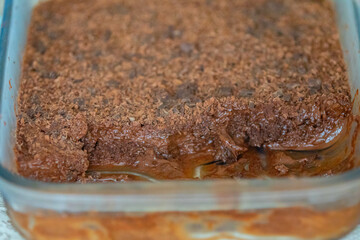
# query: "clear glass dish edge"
{"points": [[183, 195]]}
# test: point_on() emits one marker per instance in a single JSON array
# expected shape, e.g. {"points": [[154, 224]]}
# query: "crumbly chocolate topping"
{"points": [[116, 82]]}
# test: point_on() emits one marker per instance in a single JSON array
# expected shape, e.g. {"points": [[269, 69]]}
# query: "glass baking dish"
{"points": [[303, 208]]}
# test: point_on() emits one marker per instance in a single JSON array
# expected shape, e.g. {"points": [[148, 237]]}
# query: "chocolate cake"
{"points": [[162, 87]]}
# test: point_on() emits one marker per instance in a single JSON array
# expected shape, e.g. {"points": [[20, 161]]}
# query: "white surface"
{"points": [[355, 235], [7, 232]]}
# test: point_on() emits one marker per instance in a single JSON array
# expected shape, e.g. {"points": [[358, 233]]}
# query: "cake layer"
{"points": [[110, 83]]}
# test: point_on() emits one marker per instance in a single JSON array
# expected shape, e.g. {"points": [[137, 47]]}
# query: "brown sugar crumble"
{"points": [[179, 89]]}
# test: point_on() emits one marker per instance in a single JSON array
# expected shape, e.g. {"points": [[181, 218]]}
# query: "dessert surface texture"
{"points": [[179, 89]]}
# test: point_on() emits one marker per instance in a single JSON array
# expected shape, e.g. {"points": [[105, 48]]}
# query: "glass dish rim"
{"points": [[250, 185]]}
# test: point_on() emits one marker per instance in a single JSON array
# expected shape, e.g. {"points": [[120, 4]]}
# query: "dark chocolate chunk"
{"points": [[224, 91], [80, 102], [186, 90], [113, 83], [186, 48], [315, 85], [173, 33], [50, 75], [246, 93], [40, 46], [107, 35]]}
